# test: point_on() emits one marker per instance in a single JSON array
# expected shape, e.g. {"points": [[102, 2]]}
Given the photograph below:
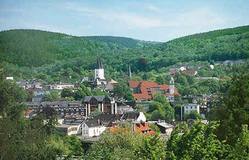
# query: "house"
{"points": [[96, 126], [165, 128], [143, 127], [144, 90], [191, 107], [37, 98], [29, 84], [10, 78], [70, 126], [123, 108], [60, 86], [102, 104], [92, 128], [66, 108], [133, 116], [110, 85]]}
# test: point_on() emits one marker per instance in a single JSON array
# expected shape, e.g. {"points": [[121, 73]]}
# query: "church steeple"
{"points": [[129, 70], [99, 64], [171, 90]]}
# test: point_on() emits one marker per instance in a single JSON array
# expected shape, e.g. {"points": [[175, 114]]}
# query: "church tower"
{"points": [[99, 74], [171, 90], [99, 71]]}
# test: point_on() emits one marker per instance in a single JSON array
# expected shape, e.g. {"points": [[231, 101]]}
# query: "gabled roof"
{"points": [[92, 123], [130, 116], [102, 119], [98, 98], [147, 89]]}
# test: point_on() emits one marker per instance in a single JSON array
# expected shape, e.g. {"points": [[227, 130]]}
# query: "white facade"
{"points": [[9, 78], [99, 73], [61, 86], [94, 131], [192, 107], [141, 117], [71, 129], [74, 130]]}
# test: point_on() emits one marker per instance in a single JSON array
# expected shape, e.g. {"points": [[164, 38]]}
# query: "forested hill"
{"points": [[231, 43], [122, 41], [34, 48]]}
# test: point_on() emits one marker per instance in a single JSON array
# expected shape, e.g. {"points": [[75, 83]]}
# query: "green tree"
{"points": [[192, 115], [67, 92], [241, 147], [161, 109], [52, 96], [122, 90], [232, 112], [198, 142], [81, 92]]}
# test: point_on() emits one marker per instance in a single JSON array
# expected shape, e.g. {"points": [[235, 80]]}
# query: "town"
{"points": [[89, 116], [124, 80]]}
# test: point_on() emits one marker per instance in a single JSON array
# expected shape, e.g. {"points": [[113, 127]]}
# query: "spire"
{"points": [[129, 71], [99, 63], [172, 82], [171, 89]]}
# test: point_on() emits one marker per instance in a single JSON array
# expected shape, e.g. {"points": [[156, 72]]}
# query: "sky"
{"points": [[150, 20]]}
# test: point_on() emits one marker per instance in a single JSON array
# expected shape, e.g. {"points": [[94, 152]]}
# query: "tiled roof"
{"points": [[144, 128], [147, 89]]}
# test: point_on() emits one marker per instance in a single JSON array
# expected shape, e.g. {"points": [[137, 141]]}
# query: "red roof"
{"points": [[146, 89], [144, 128]]}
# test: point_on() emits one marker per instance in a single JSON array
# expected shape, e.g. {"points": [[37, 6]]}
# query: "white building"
{"points": [[61, 86], [70, 127], [9, 78], [191, 107], [99, 74], [134, 117], [92, 128]]}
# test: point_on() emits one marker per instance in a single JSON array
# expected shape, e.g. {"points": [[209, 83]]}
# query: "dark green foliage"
{"points": [[51, 96], [234, 109], [160, 109], [125, 144], [67, 92], [122, 90], [198, 142], [192, 115], [59, 57], [81, 92]]}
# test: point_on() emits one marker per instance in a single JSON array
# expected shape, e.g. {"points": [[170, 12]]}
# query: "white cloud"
{"points": [[153, 8], [115, 17]]}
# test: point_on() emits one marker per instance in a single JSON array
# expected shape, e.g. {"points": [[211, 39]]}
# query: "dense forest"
{"points": [[55, 56]]}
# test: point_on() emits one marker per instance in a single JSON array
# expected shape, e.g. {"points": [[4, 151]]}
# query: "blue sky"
{"points": [[154, 20]]}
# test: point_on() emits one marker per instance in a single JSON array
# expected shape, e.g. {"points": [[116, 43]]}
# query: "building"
{"points": [[71, 109], [99, 74], [133, 116], [10, 78], [191, 107], [110, 85], [70, 126], [92, 128], [144, 90], [143, 127], [60, 86], [102, 104]]}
